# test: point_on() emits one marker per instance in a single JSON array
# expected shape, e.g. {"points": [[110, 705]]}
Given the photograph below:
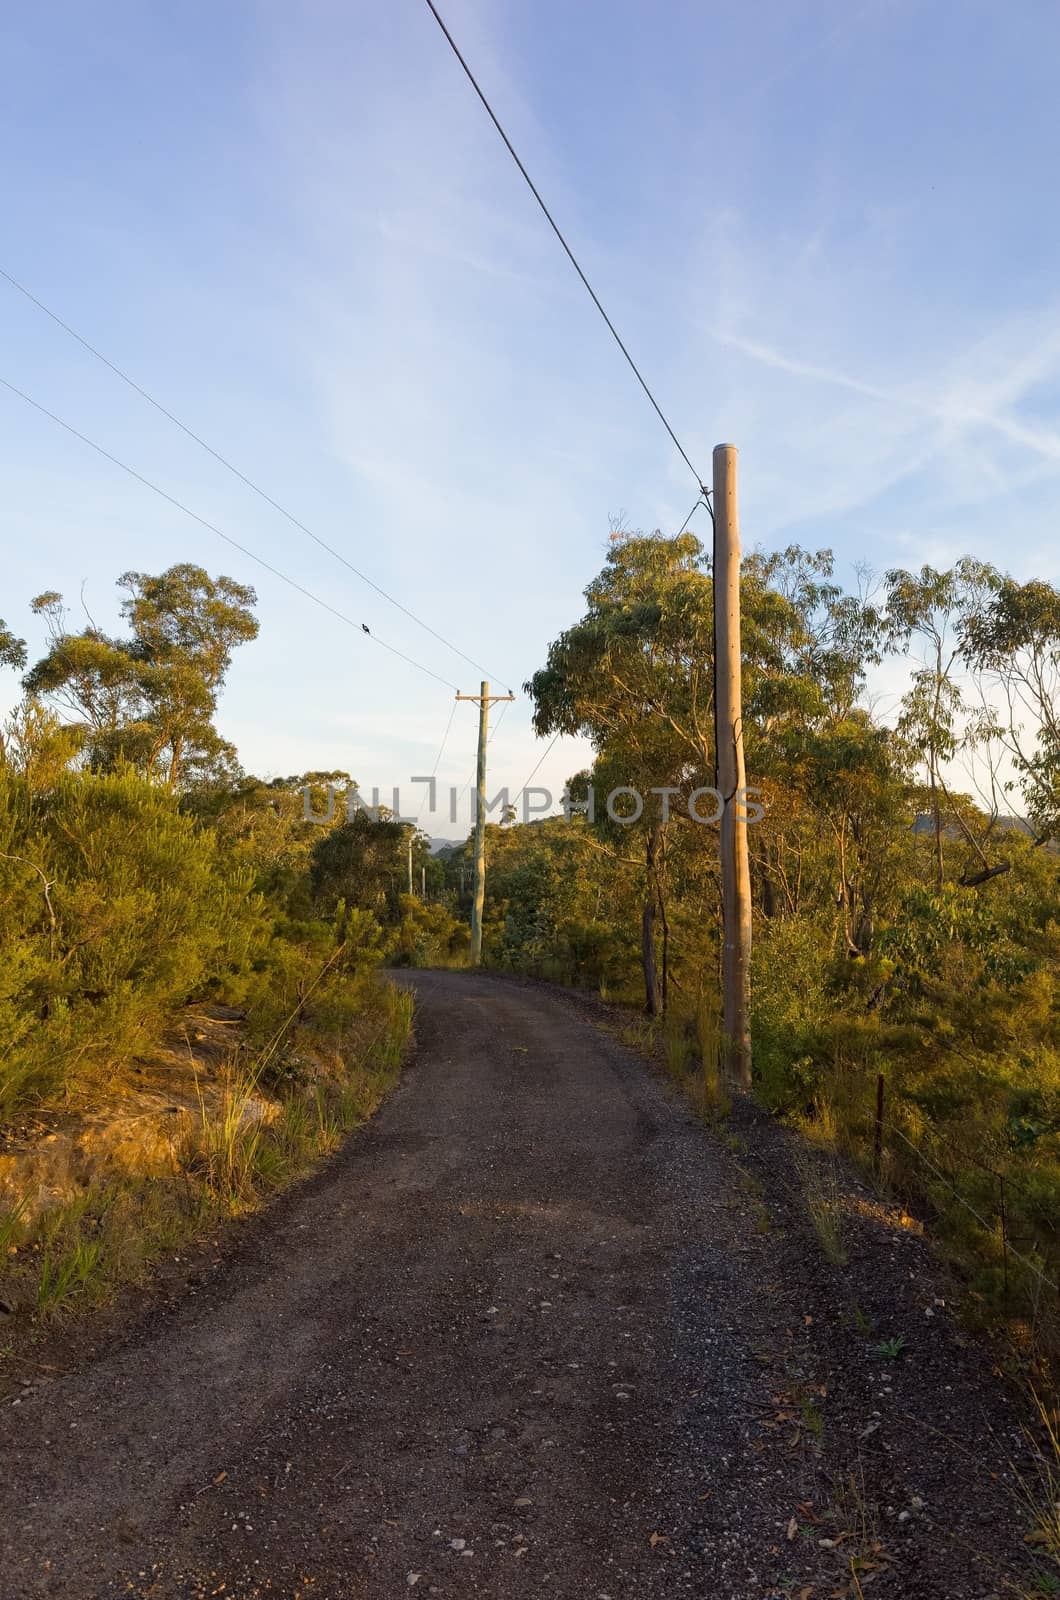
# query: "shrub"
{"points": [[115, 909]]}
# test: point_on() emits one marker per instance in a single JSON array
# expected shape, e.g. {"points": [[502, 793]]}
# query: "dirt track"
{"points": [[532, 1333]]}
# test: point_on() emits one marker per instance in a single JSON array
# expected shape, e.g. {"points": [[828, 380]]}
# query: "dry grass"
{"points": [[821, 1195], [1042, 1501], [75, 1255], [709, 1094]]}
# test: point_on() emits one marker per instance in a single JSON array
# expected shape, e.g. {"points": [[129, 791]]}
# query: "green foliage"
{"points": [[821, 1196], [360, 861], [12, 650], [67, 1272], [556, 908], [888, 1349], [114, 910], [139, 871], [75, 1255], [899, 930], [149, 699], [1013, 638], [428, 935]]}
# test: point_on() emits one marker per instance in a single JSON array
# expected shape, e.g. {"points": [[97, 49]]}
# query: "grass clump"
{"points": [[821, 1197], [1041, 1500]]}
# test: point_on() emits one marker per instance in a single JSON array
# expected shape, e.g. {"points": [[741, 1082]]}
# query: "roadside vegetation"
{"points": [[262, 1134], [907, 928], [145, 878]]}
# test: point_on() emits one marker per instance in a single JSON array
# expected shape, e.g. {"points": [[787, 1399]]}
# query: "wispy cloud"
{"points": [[964, 403]]}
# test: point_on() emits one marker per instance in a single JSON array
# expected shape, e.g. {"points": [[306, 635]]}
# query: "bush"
{"points": [[115, 909], [428, 935]]}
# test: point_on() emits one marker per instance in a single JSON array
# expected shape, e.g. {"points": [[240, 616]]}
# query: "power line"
{"points": [[540, 764], [489, 741], [359, 627], [691, 514], [496, 725], [570, 253], [230, 467], [445, 736], [437, 760]]}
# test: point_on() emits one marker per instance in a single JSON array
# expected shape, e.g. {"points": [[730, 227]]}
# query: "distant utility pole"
{"points": [[731, 774], [483, 700], [412, 835]]}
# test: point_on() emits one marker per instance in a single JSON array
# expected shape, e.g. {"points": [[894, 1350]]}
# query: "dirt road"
{"points": [[532, 1333]]}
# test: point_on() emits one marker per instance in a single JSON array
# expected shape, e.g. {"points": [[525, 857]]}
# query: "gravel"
{"points": [[526, 1335]]}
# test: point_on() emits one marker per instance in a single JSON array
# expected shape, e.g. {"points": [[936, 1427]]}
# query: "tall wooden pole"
{"points": [[479, 898], [731, 775], [484, 700]]}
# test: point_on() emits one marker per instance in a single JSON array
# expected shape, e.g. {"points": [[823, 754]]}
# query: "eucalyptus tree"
{"points": [[635, 676], [12, 649], [149, 699], [1013, 640], [929, 610]]}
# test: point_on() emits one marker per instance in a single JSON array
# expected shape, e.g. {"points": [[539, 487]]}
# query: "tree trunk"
{"points": [[936, 815], [176, 751], [652, 991], [653, 1002], [658, 871], [665, 951], [864, 933], [769, 896]]}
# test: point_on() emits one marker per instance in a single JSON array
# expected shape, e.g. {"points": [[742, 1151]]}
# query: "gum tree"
{"points": [[149, 698]]}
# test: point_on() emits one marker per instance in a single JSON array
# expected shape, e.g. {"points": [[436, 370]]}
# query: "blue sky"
{"points": [[827, 232]]}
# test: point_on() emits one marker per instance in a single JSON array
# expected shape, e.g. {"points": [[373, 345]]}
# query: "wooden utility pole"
{"points": [[483, 700], [412, 835], [731, 775]]}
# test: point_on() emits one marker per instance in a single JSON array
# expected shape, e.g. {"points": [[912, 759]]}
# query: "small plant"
{"points": [[678, 1046], [639, 1036], [862, 1322], [709, 1088], [227, 1156], [11, 1226], [889, 1349], [328, 1119], [1042, 1500], [810, 1411], [854, 1514], [820, 1191], [399, 1010], [63, 1274]]}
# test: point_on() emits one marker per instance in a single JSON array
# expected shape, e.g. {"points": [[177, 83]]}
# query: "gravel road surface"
{"points": [[533, 1332]]}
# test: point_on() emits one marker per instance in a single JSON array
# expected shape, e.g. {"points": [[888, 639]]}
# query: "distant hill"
{"points": [[924, 823]]}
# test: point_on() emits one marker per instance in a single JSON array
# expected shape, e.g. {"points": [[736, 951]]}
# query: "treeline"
{"points": [[905, 927], [141, 870]]}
